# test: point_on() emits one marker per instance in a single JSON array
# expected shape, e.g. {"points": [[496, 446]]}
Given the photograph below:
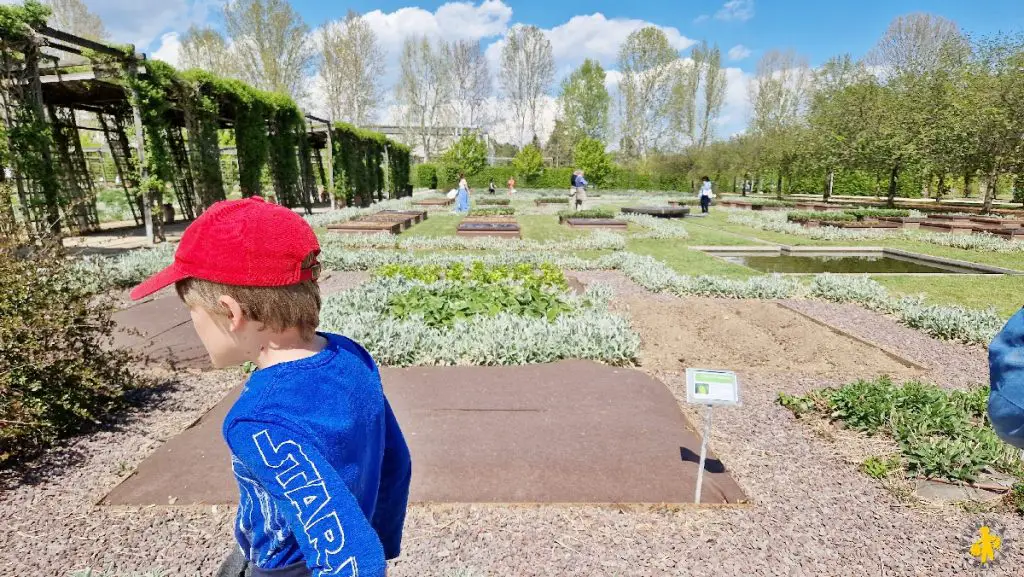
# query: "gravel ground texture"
{"points": [[812, 512]]}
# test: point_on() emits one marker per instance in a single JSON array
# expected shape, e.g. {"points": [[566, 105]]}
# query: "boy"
{"points": [[322, 467], [1006, 371]]}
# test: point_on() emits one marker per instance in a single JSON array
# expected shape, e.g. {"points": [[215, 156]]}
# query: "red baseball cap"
{"points": [[245, 242]]}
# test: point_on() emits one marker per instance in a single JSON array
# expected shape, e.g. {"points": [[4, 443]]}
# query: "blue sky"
{"points": [[578, 29]]}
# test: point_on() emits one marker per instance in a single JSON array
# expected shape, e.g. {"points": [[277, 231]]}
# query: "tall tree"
{"points": [[423, 92], [352, 66], [559, 146], [527, 70], [470, 83], [712, 77], [74, 16], [271, 40], [205, 48], [585, 102], [918, 43], [649, 66], [778, 95]]}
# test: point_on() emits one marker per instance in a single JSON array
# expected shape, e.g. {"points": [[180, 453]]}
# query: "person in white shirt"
{"points": [[705, 195]]}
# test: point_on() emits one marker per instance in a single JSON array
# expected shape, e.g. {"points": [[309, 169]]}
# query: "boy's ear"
{"points": [[234, 312]]}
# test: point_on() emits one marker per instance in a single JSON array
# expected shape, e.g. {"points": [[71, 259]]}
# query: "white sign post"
{"points": [[710, 388]]}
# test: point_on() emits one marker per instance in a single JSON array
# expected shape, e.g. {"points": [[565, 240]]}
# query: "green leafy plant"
{"points": [[880, 467], [493, 202], [597, 212], [1015, 498], [552, 199], [940, 434], [493, 211], [448, 305]]}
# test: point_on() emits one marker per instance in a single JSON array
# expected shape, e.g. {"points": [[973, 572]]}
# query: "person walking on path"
{"points": [[511, 185], [322, 467], [491, 188], [1006, 380], [462, 198], [705, 195], [578, 193]]}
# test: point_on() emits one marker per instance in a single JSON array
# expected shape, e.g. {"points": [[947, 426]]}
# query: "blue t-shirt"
{"points": [[322, 467], [1006, 373]]}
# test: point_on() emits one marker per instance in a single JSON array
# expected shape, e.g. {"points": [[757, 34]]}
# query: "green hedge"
{"points": [[494, 202], [803, 216], [862, 213]]}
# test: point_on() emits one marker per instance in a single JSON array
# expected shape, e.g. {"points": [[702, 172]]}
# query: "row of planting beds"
{"points": [[497, 221], [389, 221]]}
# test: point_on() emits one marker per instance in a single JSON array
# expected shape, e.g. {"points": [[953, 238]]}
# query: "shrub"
{"points": [[58, 369], [597, 212], [803, 216], [529, 162], [862, 213], [552, 199], [494, 202], [493, 211], [657, 227], [425, 176]]}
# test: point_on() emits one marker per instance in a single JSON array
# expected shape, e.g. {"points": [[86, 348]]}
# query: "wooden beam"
{"points": [[86, 43]]}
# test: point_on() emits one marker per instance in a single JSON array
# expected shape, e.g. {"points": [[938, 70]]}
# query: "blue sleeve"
{"points": [[393, 495], [1006, 372], [333, 533]]}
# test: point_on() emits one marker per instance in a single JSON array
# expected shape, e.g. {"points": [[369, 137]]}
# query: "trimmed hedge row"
{"points": [[441, 177]]}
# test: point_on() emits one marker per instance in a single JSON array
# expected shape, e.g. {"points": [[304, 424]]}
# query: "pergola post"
{"points": [[140, 150], [330, 163]]}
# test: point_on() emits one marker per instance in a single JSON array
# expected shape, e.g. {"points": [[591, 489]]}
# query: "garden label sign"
{"points": [[710, 388]]}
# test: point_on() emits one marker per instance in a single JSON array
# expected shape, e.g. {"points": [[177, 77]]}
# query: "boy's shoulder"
{"points": [[294, 388]]}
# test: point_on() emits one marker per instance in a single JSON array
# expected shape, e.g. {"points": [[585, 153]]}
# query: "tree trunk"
{"points": [[893, 179], [829, 182], [778, 188], [757, 184], [990, 191], [942, 187], [734, 184], [967, 185]]}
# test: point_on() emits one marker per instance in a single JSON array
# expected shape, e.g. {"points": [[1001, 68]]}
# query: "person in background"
{"points": [[1006, 380], [705, 195], [579, 190], [462, 198], [511, 185], [491, 188]]}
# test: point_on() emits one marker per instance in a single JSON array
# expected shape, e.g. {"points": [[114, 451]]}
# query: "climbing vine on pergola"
{"points": [[172, 120]]}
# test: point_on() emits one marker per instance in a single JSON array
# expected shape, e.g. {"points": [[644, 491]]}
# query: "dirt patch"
{"points": [[748, 335]]}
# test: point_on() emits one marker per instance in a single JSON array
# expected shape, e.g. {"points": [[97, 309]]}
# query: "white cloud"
{"points": [[590, 36], [142, 22], [741, 10], [701, 19], [452, 21], [170, 49], [736, 109], [738, 52]]}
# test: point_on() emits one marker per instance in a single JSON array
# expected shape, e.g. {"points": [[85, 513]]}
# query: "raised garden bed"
{"points": [[498, 219], [659, 211], [908, 223], [434, 202], [863, 224], [999, 222], [500, 229], [418, 216], [946, 227], [494, 202], [605, 223], [1010, 233], [366, 227], [552, 200], [405, 220]]}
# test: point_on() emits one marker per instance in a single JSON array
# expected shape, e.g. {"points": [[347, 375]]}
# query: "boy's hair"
{"points": [[295, 306]]}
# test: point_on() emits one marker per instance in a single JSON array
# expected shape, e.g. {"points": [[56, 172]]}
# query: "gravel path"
{"points": [[812, 512], [952, 364]]}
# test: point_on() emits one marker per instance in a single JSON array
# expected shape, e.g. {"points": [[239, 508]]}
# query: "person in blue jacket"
{"points": [[1006, 374], [322, 467]]}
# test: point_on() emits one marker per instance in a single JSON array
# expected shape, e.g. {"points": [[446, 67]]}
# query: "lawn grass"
{"points": [[546, 228], [1006, 293], [686, 261], [436, 225]]}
